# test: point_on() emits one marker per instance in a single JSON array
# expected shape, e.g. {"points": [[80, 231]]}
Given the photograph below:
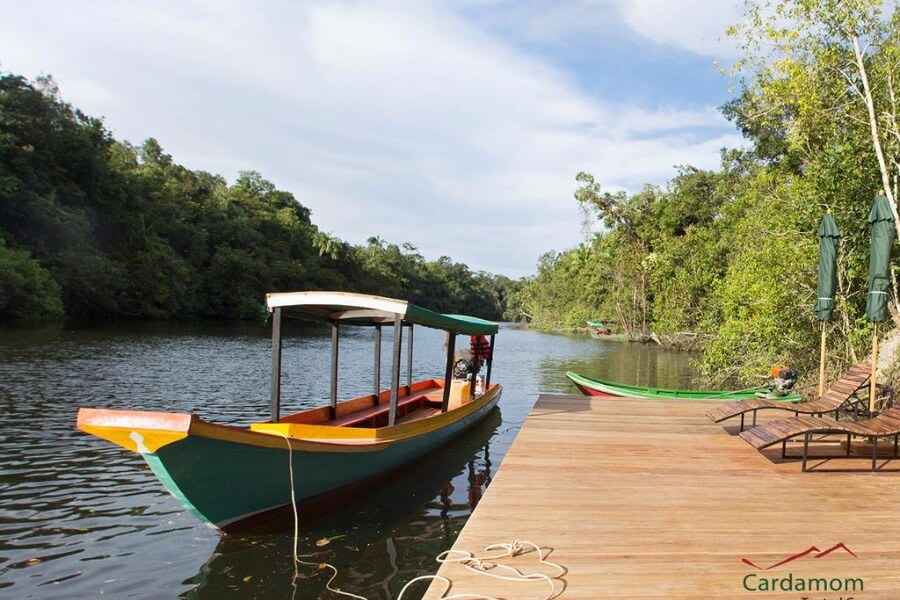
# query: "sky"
{"points": [[457, 126]]}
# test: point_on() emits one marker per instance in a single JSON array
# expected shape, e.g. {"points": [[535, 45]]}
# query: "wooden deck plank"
{"points": [[649, 499]]}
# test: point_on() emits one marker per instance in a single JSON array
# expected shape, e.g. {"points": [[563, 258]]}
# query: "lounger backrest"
{"points": [[854, 378]]}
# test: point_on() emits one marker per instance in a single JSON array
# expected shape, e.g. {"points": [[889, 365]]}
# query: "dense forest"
{"points": [[95, 227], [726, 258]]}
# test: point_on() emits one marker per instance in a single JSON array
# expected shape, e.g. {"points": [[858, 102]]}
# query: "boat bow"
{"points": [[139, 431]]}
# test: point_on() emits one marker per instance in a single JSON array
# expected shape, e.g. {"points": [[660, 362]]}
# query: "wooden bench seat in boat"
{"points": [[364, 412], [429, 409], [404, 406], [426, 401], [357, 410]]}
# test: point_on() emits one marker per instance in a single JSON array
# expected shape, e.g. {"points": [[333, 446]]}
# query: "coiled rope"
{"points": [[487, 565]]}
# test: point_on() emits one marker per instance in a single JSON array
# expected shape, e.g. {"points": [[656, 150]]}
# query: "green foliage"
{"points": [[728, 254], [27, 290], [102, 228], [760, 310], [650, 269], [554, 297]]}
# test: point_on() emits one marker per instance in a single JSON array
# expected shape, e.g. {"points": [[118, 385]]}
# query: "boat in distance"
{"points": [[591, 386], [232, 477], [601, 331]]}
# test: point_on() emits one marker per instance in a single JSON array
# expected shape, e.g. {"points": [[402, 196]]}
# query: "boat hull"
{"points": [[590, 386], [232, 478], [588, 391]]}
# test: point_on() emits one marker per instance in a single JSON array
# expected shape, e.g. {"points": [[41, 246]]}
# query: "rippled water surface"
{"points": [[80, 517]]}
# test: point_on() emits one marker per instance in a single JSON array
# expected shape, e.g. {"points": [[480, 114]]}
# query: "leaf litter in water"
{"points": [[325, 541]]}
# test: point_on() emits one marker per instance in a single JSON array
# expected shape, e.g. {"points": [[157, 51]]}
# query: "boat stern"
{"points": [[139, 431]]}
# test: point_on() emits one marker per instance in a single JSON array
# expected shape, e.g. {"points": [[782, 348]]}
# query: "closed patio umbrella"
{"points": [[829, 238], [882, 240]]}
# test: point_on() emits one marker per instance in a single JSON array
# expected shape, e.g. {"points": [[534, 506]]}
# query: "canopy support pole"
{"points": [[490, 363], [409, 361], [276, 364], [395, 369], [476, 364], [448, 373], [335, 341], [377, 364], [872, 380], [822, 363]]}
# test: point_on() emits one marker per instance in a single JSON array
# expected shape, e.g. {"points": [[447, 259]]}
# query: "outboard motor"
{"points": [[783, 380], [462, 363]]}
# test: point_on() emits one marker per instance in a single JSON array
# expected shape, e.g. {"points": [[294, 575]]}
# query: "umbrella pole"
{"points": [[874, 371], [822, 364]]}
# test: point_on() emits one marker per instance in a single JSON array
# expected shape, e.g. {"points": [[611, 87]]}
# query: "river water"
{"points": [[81, 518]]}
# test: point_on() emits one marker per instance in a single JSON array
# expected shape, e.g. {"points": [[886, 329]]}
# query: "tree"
{"points": [[824, 70], [27, 290]]}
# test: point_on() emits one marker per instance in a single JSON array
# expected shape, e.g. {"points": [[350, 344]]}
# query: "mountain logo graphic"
{"points": [[811, 552]]}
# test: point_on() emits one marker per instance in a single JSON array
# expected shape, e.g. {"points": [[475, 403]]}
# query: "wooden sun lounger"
{"points": [[887, 424], [838, 395]]}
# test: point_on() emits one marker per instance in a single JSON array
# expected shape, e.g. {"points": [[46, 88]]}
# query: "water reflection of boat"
{"points": [[233, 476], [380, 541], [591, 386]]}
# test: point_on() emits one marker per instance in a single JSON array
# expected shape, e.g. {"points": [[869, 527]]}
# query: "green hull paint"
{"points": [[599, 387], [226, 482]]}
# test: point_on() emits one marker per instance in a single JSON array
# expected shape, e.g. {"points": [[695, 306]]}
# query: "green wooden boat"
{"points": [[591, 386], [232, 477]]}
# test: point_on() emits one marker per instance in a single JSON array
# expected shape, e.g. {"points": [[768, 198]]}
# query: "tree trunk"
{"points": [[876, 140]]}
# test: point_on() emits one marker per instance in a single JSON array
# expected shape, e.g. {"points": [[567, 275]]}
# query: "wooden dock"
{"points": [[649, 499]]}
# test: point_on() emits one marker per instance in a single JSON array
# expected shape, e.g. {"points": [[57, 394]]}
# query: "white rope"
{"points": [[336, 590], [447, 589], [297, 560], [484, 565]]}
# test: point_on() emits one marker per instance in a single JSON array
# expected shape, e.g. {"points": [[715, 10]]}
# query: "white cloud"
{"points": [[697, 26], [394, 119]]}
